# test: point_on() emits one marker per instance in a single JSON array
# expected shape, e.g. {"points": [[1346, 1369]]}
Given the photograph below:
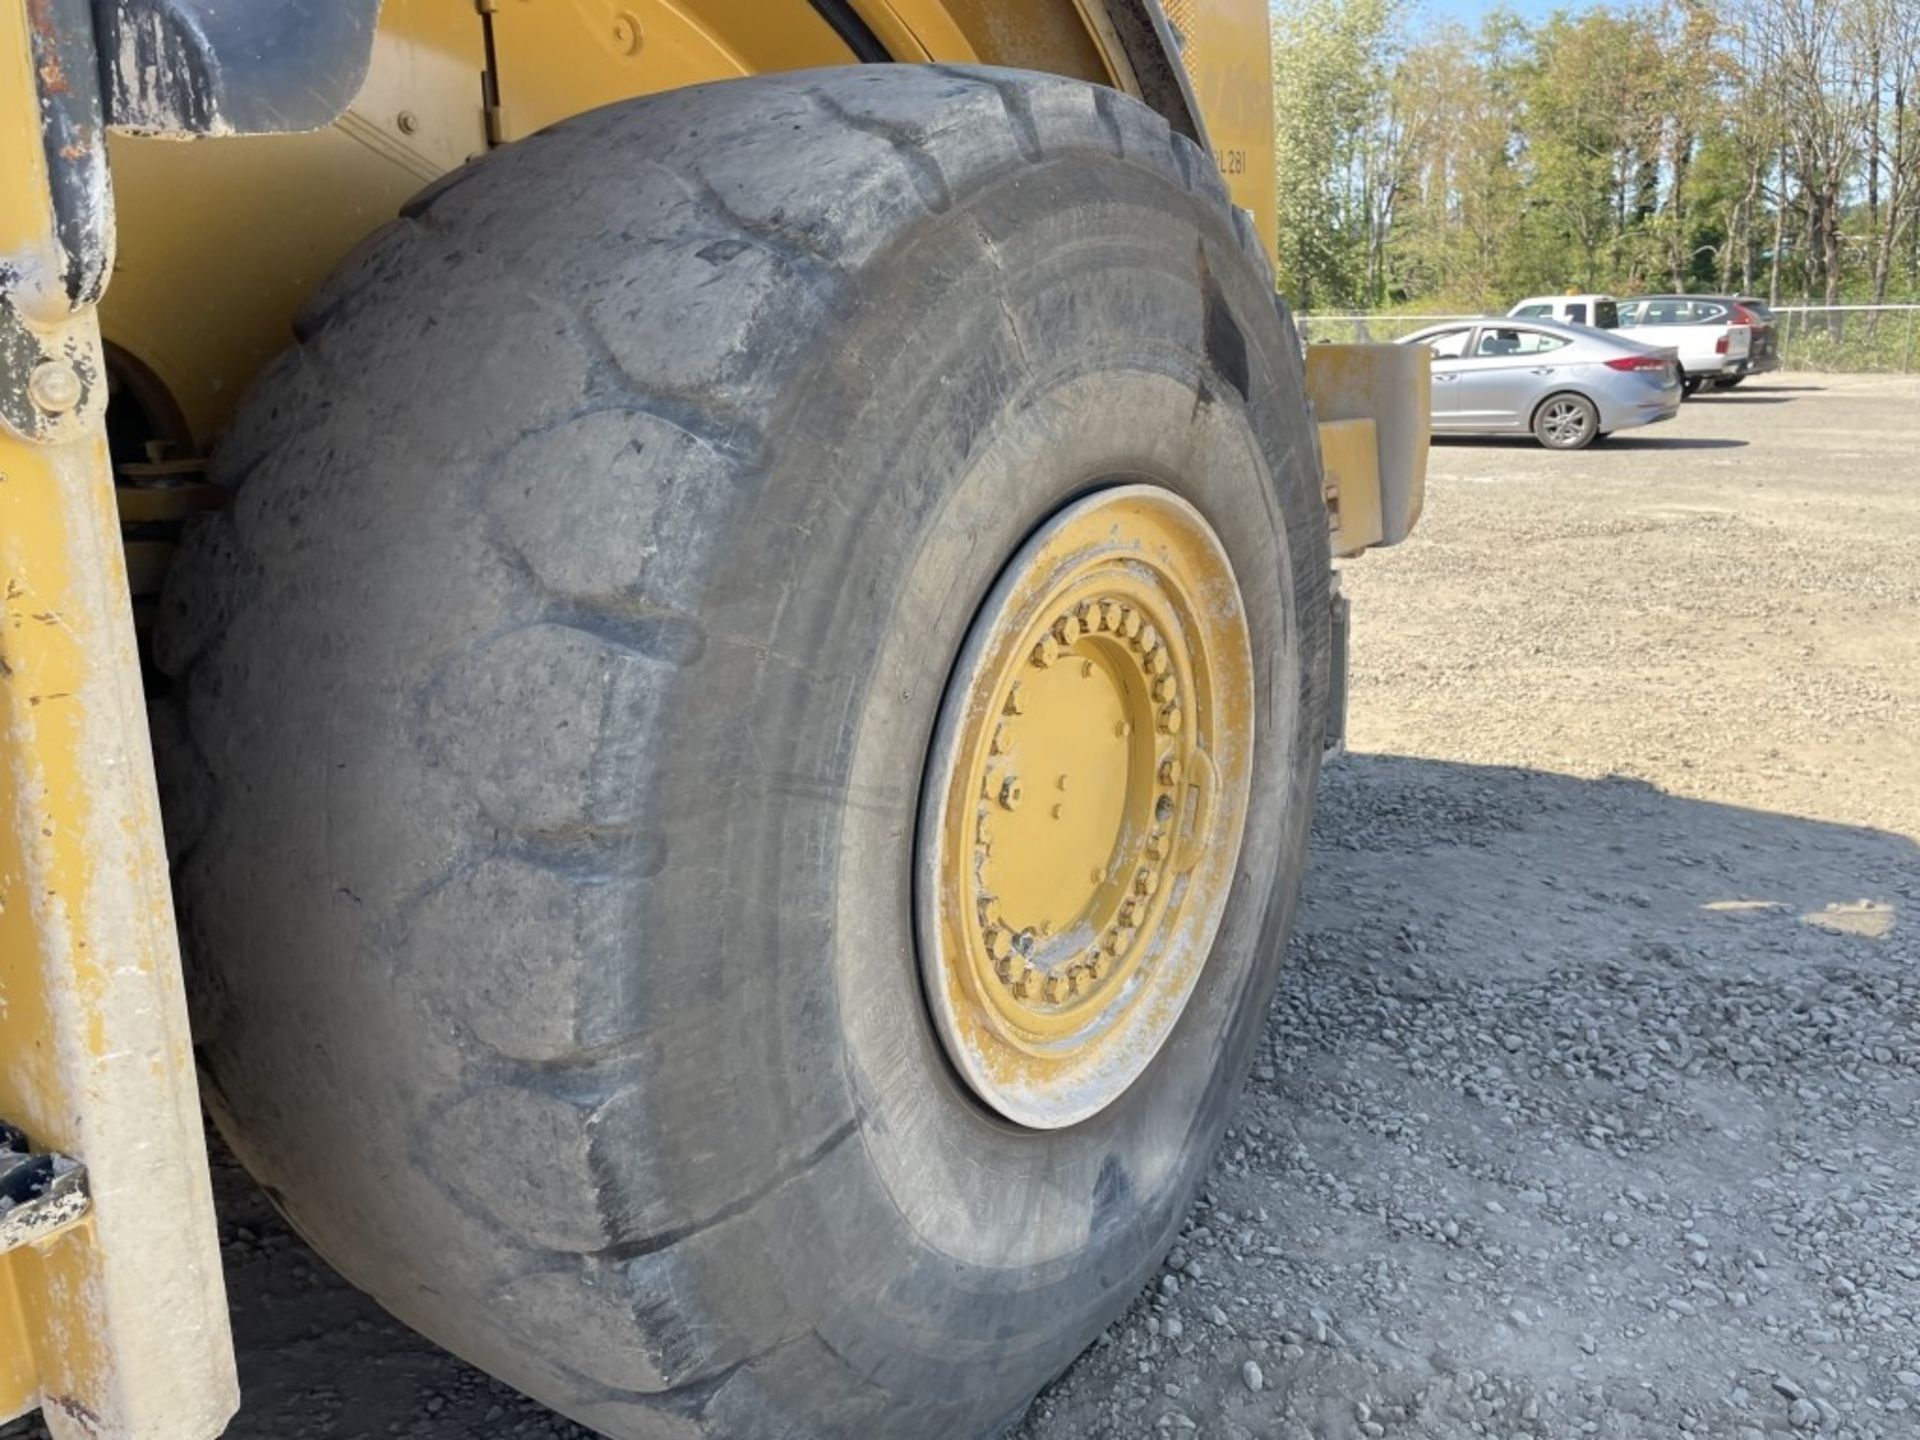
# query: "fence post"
{"points": [[1906, 356]]}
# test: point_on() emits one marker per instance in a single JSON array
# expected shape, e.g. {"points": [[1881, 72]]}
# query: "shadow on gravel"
{"points": [[1583, 1109], [1640, 440], [1571, 860], [1739, 397], [1626, 439]]}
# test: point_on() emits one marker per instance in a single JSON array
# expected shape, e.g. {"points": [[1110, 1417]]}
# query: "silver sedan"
{"points": [[1566, 384]]}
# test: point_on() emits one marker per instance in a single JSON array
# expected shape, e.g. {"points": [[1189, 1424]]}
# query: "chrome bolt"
{"points": [[55, 387]]}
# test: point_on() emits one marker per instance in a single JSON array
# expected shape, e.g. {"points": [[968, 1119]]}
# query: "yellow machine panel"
{"points": [[555, 58], [1227, 55]]}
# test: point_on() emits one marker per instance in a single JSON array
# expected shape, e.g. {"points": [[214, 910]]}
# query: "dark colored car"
{"points": [[1765, 352]]}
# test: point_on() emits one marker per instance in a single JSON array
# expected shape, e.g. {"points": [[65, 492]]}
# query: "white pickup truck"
{"points": [[1711, 346]]}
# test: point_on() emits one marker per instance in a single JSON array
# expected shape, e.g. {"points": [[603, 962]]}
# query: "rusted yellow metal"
{"points": [[116, 1326], [1085, 801], [1391, 386]]}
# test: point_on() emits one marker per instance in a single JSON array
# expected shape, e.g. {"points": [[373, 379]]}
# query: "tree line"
{"points": [[1770, 147]]}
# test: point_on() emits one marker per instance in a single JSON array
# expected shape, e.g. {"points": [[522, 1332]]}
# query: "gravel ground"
{"points": [[1589, 1104]]}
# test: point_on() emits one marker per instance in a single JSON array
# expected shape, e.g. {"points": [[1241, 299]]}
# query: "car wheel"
{"points": [[1566, 422]]}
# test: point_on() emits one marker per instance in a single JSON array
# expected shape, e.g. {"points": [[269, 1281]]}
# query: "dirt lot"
{"points": [[1591, 1102]]}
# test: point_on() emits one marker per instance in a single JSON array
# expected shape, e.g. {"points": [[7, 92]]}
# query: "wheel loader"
{"points": [[674, 653]]}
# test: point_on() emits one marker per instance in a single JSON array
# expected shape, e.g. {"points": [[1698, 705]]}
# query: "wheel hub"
{"points": [[1084, 804]]}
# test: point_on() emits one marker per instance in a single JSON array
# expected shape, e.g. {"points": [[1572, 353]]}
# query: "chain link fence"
{"points": [[1882, 338], [1848, 337]]}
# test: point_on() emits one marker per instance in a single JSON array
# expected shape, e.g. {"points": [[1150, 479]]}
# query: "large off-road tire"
{"points": [[553, 702]]}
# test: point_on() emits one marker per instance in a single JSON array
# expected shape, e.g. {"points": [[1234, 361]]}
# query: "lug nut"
{"points": [[1170, 720], [1010, 793], [55, 387], [1046, 652], [1016, 702], [1165, 687], [1170, 771]]}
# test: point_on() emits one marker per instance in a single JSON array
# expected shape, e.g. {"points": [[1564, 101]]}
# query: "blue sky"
{"points": [[1469, 12]]}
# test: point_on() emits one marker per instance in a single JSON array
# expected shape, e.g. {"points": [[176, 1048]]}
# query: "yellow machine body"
{"points": [[220, 242], [112, 1311]]}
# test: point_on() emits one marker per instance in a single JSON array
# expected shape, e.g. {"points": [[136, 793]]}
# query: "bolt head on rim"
{"points": [[1083, 804]]}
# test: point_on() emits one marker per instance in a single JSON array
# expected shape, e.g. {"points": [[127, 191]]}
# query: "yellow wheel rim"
{"points": [[1084, 804]]}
